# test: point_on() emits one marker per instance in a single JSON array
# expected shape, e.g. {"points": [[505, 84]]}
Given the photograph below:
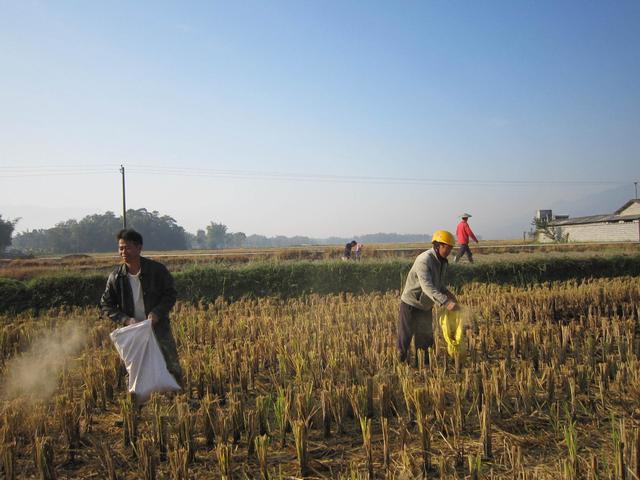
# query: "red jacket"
{"points": [[463, 232]]}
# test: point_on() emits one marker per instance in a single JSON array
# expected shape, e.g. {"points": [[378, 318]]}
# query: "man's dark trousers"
{"points": [[414, 323], [464, 248]]}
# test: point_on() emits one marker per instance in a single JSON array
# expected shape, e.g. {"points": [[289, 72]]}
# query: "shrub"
{"points": [[13, 295], [290, 279]]}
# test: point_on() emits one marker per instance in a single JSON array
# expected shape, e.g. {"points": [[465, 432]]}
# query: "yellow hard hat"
{"points": [[442, 236]]}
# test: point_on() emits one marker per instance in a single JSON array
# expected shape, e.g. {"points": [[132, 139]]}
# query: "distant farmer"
{"points": [[358, 251], [464, 233], [346, 255], [141, 289], [425, 287]]}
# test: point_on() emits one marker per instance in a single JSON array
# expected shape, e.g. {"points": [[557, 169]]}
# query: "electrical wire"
{"points": [[31, 171], [58, 170]]}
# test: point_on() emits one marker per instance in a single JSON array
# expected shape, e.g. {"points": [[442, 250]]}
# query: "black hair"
{"points": [[129, 235]]}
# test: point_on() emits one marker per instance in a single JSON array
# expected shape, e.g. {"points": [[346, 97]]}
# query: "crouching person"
{"points": [[141, 289], [425, 287]]}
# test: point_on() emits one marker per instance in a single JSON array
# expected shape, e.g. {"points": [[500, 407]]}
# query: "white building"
{"points": [[621, 226]]}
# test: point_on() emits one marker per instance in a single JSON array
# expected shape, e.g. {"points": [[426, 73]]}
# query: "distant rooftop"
{"points": [[606, 218]]}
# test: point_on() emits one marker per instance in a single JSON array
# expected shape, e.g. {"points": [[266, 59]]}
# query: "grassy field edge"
{"points": [[296, 278]]}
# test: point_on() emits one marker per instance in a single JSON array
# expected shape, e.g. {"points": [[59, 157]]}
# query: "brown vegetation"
{"points": [[311, 387], [25, 269]]}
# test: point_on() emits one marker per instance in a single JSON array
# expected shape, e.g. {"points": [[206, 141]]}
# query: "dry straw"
{"points": [[548, 390]]}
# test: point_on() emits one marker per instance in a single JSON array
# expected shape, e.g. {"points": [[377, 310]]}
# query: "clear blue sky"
{"points": [[465, 92]]}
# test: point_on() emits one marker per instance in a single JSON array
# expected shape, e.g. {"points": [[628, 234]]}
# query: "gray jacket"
{"points": [[425, 282]]}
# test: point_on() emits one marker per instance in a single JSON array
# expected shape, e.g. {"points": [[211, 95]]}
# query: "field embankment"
{"points": [[296, 278], [177, 261]]}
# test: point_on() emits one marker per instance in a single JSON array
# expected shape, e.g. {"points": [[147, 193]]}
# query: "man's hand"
{"points": [[452, 305], [153, 317]]}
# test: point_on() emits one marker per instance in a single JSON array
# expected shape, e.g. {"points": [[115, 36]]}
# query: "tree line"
{"points": [[96, 233]]}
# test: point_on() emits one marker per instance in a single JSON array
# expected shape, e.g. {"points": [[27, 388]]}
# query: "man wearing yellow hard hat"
{"points": [[423, 289]]}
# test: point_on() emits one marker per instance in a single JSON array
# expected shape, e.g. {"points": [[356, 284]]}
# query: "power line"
{"points": [[54, 174], [60, 170], [49, 168]]}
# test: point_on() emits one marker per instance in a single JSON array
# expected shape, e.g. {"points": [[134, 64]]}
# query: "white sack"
{"points": [[139, 349]]}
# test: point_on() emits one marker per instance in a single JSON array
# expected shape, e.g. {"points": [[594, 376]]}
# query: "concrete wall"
{"points": [[601, 232]]}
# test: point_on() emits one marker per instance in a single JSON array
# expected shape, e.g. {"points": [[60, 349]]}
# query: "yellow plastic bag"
{"points": [[453, 332]]}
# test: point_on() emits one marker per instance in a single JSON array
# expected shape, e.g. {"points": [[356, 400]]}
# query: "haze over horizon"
{"points": [[319, 118]]}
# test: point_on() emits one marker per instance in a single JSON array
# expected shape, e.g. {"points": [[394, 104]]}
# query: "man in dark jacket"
{"points": [[346, 255], [141, 289]]}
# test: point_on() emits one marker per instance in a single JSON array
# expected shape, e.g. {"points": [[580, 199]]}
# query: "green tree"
{"points": [[159, 232], [553, 233], [201, 239], [236, 239], [216, 235], [6, 230]]}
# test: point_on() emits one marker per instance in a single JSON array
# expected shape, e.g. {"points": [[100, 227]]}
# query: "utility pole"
{"points": [[124, 200]]}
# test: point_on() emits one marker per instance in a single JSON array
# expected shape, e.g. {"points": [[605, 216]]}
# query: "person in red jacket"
{"points": [[464, 233]]}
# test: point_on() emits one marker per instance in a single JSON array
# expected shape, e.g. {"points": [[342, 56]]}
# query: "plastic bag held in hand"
{"points": [[139, 349], [453, 331]]}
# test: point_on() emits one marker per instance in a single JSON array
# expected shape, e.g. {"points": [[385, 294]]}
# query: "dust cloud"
{"points": [[34, 374]]}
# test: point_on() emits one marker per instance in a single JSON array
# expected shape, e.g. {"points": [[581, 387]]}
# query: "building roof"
{"points": [[595, 219], [607, 218], [626, 205]]}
